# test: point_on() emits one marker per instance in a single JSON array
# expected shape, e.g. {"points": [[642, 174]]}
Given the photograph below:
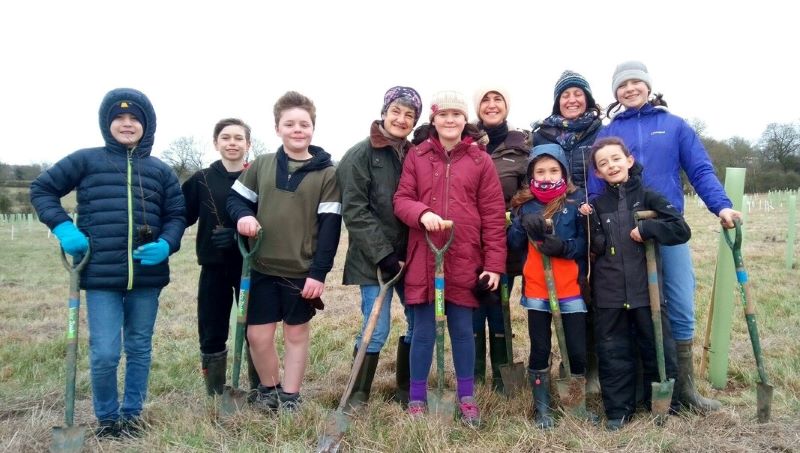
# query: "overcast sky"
{"points": [[733, 65]]}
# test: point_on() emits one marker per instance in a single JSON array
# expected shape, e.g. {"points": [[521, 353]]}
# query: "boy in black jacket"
{"points": [[206, 194], [619, 278]]}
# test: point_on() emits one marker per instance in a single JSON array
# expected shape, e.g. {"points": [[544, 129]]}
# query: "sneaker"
{"points": [[289, 402], [470, 414], [131, 427], [615, 424], [416, 409], [266, 398], [108, 429]]}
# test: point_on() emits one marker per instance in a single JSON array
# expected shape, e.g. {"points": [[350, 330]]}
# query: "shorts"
{"points": [[274, 299]]}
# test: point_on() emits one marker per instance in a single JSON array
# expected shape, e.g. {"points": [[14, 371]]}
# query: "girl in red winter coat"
{"points": [[449, 176]]}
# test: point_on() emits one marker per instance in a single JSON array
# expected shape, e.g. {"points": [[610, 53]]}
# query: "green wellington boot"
{"points": [[687, 393]]}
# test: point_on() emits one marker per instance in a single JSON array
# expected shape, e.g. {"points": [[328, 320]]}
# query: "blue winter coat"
{"points": [[569, 226], [665, 144], [118, 191]]}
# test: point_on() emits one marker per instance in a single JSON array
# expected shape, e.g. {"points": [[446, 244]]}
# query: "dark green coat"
{"points": [[368, 175]]}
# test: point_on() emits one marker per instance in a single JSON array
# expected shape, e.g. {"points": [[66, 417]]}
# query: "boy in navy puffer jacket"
{"points": [[131, 210]]}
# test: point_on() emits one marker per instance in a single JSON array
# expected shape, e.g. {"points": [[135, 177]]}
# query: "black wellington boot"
{"points": [[363, 384], [498, 354], [540, 388], [214, 371], [480, 357], [403, 372]]}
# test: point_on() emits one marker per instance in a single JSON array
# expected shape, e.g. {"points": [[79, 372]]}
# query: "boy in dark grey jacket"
{"points": [[620, 279]]}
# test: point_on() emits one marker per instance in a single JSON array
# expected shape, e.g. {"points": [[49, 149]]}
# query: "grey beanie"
{"points": [[627, 71]]}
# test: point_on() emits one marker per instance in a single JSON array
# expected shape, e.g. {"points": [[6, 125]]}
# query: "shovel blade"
{"points": [[764, 402], [661, 397], [335, 427], [572, 394], [442, 405], [514, 378], [68, 439], [232, 401]]}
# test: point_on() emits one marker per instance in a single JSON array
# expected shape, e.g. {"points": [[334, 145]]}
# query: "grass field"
{"points": [[33, 295]]}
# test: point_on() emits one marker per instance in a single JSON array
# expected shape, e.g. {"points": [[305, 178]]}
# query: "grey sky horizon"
{"points": [[729, 65]]}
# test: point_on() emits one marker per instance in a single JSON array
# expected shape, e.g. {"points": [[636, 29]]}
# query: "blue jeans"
{"points": [[679, 282], [368, 295], [120, 319], [462, 343]]}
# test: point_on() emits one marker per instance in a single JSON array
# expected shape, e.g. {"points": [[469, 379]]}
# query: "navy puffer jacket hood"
{"points": [[145, 145], [126, 198]]}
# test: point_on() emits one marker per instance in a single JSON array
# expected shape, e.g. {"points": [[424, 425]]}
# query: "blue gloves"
{"points": [[72, 240], [152, 253]]}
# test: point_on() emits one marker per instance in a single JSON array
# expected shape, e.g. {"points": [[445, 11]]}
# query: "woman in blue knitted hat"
{"points": [[665, 144], [573, 124]]}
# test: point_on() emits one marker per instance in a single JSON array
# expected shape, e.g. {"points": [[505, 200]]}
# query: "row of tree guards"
{"points": [[723, 301]]}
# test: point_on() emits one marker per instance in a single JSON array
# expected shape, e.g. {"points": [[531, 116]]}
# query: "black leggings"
{"points": [[574, 331], [218, 287]]}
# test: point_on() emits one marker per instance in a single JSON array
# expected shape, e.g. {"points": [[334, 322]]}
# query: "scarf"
{"points": [[546, 191], [497, 134], [570, 131]]}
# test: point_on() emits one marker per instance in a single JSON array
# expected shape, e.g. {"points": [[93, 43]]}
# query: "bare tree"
{"points": [[699, 126], [257, 148], [184, 156], [780, 143]]}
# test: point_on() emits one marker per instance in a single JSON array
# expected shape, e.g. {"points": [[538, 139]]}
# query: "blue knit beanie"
{"points": [[571, 79], [127, 107]]}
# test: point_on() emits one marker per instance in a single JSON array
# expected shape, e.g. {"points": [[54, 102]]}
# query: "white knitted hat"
{"points": [[483, 91], [448, 100]]}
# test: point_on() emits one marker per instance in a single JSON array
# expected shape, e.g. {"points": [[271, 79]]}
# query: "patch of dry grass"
{"points": [[33, 294]]}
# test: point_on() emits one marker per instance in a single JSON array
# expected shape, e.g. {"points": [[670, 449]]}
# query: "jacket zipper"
{"points": [[447, 186], [639, 137], [130, 222]]}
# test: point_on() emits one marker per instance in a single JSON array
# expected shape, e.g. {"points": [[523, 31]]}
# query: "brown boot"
{"points": [[687, 393]]}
